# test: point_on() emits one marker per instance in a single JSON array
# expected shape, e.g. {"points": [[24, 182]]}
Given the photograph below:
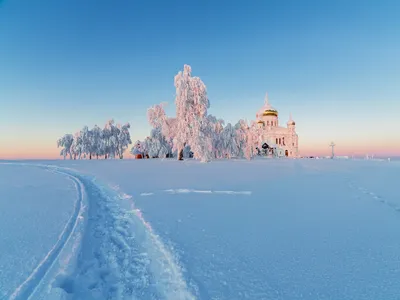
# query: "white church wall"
{"points": [[285, 138]]}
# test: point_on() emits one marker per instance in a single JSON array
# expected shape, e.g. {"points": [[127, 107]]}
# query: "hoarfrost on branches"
{"points": [[111, 141], [158, 145], [216, 127], [95, 142], [160, 140], [123, 139], [191, 116], [66, 142], [241, 137], [229, 142], [192, 127], [77, 146], [156, 116], [85, 135]]}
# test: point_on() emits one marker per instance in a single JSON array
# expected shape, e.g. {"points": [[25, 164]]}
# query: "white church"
{"points": [[276, 140]]}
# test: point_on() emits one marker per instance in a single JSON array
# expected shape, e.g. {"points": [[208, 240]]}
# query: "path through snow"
{"points": [[25, 290], [119, 255]]}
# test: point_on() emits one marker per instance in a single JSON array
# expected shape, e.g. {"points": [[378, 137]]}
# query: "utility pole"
{"points": [[332, 145]]}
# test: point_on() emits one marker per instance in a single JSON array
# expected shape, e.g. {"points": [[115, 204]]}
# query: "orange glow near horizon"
{"points": [[309, 145], [37, 153], [343, 150], [316, 150]]}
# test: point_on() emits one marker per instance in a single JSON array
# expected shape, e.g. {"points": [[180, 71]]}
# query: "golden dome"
{"points": [[267, 109], [270, 112]]}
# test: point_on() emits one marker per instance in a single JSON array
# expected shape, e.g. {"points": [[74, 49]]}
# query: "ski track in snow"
{"points": [[374, 196], [187, 191], [120, 256], [25, 290]]}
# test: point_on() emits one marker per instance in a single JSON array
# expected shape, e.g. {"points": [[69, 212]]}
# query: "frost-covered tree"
{"points": [[77, 146], [254, 134], [193, 129], [95, 142], [114, 139], [141, 147], [191, 126], [247, 147], [156, 116], [107, 140], [160, 141], [146, 145], [229, 141], [216, 126], [137, 148], [85, 135], [248, 136], [163, 132], [157, 145], [168, 130], [201, 142], [241, 137], [123, 139], [66, 142], [111, 141]]}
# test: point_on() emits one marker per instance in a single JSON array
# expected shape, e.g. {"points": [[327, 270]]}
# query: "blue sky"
{"points": [[335, 65]]}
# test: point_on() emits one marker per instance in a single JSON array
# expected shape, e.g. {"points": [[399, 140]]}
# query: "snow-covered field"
{"points": [[162, 229], [35, 207]]}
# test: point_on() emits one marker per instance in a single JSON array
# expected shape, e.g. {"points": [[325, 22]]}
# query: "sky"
{"points": [[334, 65]]}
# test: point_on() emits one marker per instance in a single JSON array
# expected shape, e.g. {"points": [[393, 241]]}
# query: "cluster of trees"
{"points": [[193, 131], [110, 142]]}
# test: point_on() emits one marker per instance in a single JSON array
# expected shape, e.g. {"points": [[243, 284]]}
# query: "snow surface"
{"points": [[35, 207], [163, 229]]}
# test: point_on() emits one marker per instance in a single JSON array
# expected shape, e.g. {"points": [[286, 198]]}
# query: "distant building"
{"points": [[281, 141]]}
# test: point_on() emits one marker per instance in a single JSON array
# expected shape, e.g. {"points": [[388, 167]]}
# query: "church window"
{"points": [[283, 141], [276, 141], [279, 141], [267, 123]]}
